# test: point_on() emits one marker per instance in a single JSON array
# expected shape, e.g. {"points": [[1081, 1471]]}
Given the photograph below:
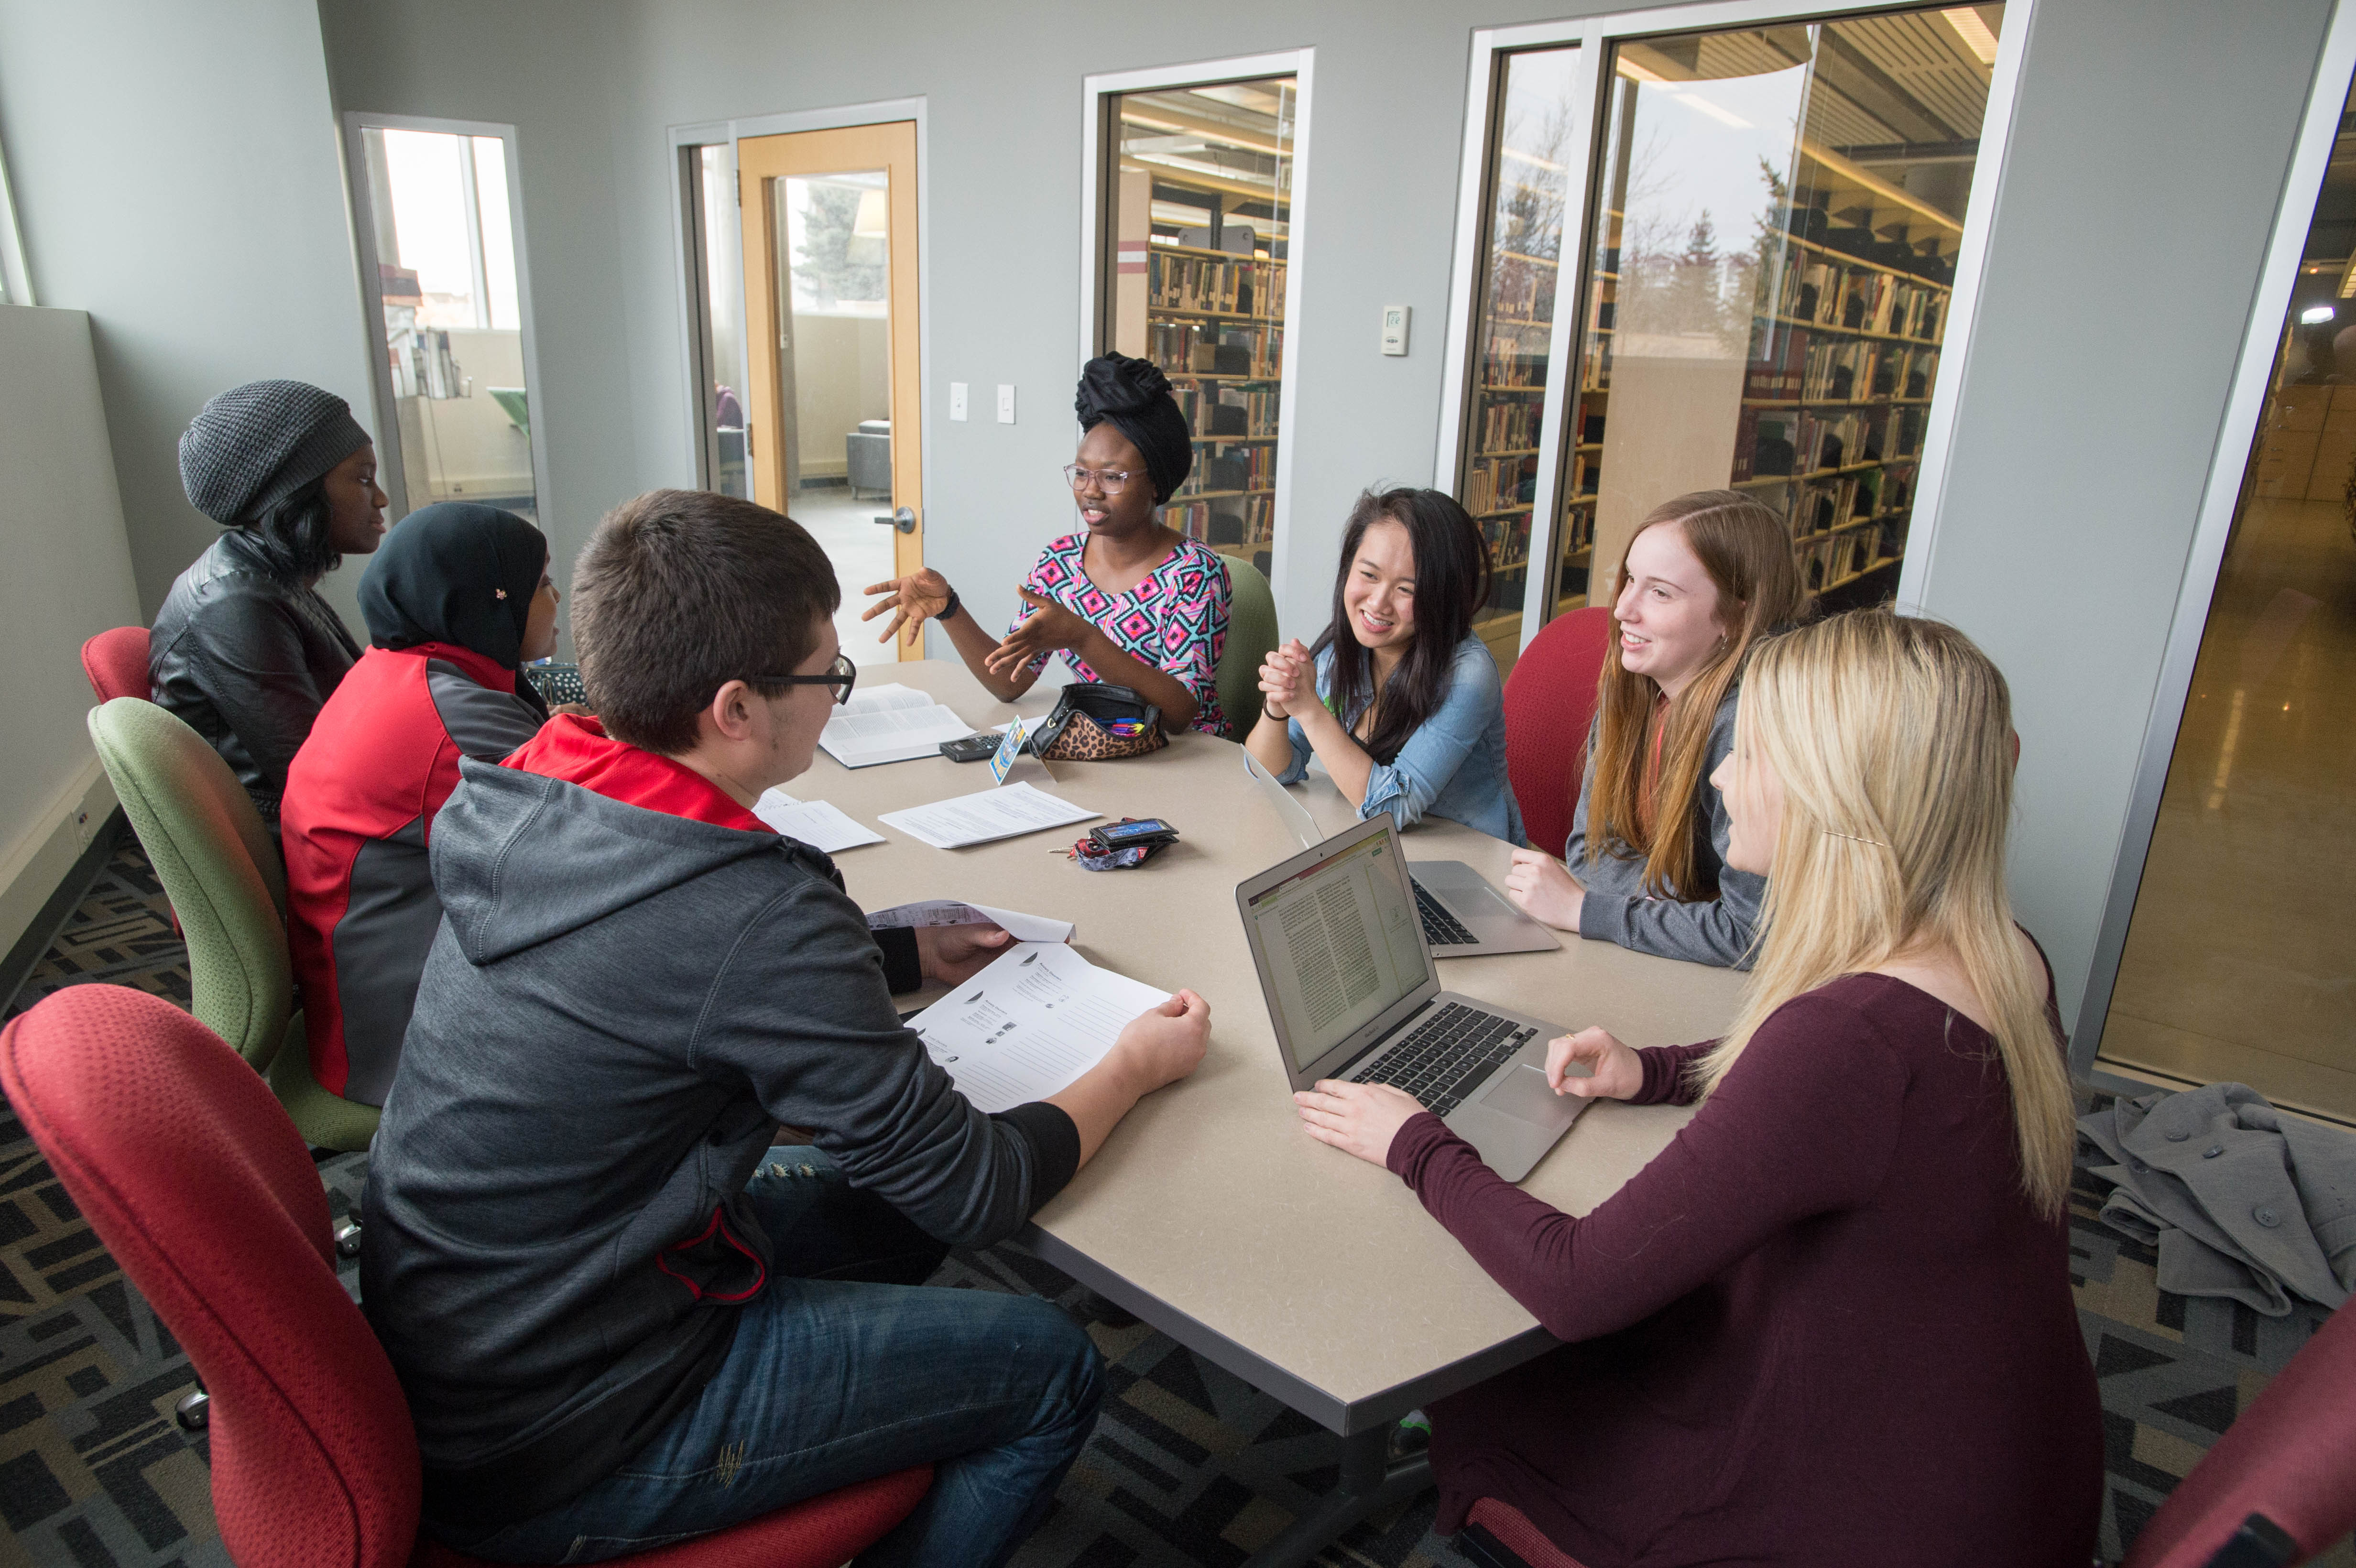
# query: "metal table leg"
{"points": [[1369, 1482]]}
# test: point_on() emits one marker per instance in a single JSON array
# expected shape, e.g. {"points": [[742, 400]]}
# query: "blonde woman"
{"points": [[1705, 577], [1832, 1322]]}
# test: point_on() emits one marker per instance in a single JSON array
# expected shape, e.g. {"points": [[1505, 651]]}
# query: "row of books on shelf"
{"points": [[1214, 411], [1577, 532], [1780, 443], [1508, 427], [1859, 298], [1823, 505], [1788, 365], [1207, 349], [1507, 539], [1493, 484], [1197, 283], [1516, 356], [1830, 563], [1232, 520], [1522, 288], [1225, 468]]}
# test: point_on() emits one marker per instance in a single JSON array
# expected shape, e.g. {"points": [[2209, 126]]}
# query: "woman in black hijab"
{"points": [[457, 600], [1127, 598]]}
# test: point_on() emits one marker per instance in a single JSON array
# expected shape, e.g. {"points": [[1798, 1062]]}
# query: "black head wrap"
{"points": [[453, 573], [1136, 398]]}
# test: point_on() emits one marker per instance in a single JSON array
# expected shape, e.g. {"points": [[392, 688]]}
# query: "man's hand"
{"points": [[917, 598], [1545, 888], [952, 954], [1612, 1071], [1049, 629], [1358, 1118], [1165, 1044]]}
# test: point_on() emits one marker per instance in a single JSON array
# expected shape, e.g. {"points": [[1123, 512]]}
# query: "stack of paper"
{"points": [[945, 912], [889, 724], [1030, 1024], [1005, 812], [815, 822]]}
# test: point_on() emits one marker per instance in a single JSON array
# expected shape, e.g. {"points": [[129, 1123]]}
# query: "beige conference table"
{"points": [[1314, 1277]]}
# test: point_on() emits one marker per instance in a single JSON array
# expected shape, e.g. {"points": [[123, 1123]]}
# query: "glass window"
{"points": [[716, 260], [1529, 183], [1777, 216], [452, 326], [1201, 226], [2238, 967]]}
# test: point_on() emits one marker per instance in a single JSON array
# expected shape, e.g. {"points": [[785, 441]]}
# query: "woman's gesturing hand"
{"points": [[1361, 1118], [918, 598], [1593, 1066], [1288, 680], [1545, 890], [1049, 628]]}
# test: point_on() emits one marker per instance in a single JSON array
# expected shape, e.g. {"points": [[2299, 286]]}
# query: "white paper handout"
{"points": [[889, 724], [948, 911], [1028, 1025], [1005, 812], [817, 823]]}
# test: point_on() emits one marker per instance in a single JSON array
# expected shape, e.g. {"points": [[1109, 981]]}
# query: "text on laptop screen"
{"points": [[1342, 943]]}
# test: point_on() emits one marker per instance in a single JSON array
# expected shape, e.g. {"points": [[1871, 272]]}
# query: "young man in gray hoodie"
{"points": [[621, 1317]]}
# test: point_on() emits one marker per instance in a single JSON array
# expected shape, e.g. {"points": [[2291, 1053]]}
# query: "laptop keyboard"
{"points": [[1448, 1055], [1440, 928]]}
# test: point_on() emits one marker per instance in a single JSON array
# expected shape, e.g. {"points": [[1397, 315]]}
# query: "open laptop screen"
{"points": [[1341, 943]]}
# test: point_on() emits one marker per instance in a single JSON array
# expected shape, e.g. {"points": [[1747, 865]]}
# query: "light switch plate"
{"points": [[956, 400], [1395, 328], [1005, 403]]}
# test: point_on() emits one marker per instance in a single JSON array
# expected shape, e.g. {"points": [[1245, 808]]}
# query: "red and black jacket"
{"points": [[362, 797]]}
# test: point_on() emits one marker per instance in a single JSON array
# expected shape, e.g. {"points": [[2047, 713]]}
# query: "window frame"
{"points": [[1593, 36], [1098, 95], [356, 174]]}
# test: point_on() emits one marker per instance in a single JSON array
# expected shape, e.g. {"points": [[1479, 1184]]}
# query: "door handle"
{"points": [[904, 520]]}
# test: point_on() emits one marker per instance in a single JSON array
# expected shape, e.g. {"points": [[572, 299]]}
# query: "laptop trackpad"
{"points": [[1525, 1094]]}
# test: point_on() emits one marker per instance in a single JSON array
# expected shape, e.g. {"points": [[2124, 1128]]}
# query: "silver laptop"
{"points": [[1464, 916], [1350, 984]]}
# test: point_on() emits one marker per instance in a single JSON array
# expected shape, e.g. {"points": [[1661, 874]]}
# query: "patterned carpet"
{"points": [[1189, 1466]]}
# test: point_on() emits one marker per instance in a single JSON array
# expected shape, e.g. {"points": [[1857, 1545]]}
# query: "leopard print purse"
{"points": [[1096, 721]]}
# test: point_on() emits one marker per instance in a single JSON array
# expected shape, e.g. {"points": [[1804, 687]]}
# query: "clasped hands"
{"points": [[1288, 681], [1362, 1118], [923, 594]]}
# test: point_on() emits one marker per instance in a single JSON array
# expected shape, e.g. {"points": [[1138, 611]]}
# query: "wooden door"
{"points": [[830, 313]]}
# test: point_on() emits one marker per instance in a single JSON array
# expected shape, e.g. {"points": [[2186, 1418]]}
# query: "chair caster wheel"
{"points": [[191, 1413], [348, 1239]]}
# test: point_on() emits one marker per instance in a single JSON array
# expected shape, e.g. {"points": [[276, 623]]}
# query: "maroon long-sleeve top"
{"points": [[1823, 1327]]}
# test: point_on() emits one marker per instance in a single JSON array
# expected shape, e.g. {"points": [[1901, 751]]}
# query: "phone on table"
{"points": [[971, 749], [1138, 834]]}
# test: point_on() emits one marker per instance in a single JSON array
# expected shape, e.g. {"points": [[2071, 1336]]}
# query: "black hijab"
{"points": [[453, 573], [1136, 397]]}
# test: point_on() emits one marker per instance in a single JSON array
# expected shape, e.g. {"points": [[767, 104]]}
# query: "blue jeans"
{"points": [[833, 1379]]}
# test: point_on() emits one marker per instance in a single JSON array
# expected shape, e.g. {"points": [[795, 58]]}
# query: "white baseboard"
{"points": [[48, 846]]}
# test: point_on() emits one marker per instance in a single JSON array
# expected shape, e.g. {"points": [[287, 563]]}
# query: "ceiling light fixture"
{"points": [[1974, 32]]}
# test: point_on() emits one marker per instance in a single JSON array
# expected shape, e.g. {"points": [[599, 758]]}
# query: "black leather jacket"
{"points": [[247, 660]]}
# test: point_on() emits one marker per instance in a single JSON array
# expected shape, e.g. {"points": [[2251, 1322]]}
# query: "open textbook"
{"points": [[1030, 1024], [889, 724]]}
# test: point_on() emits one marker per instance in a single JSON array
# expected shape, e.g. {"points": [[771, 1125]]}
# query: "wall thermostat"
{"points": [[1394, 329]]}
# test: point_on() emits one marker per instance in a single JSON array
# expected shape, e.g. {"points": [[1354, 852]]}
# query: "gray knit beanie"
{"points": [[253, 446]]}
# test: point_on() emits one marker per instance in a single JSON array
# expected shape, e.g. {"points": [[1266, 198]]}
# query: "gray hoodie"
{"points": [[1617, 909], [619, 1008]]}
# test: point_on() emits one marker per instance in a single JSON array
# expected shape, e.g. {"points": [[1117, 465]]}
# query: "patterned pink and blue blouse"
{"points": [[1175, 619]]}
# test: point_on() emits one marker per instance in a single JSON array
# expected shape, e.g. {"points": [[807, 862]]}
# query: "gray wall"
{"points": [[175, 176], [2149, 149]]}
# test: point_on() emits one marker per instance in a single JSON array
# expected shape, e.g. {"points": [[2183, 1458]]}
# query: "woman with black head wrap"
{"points": [[457, 600], [1127, 598]]}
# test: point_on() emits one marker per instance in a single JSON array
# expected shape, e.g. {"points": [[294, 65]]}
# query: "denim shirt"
{"points": [[1452, 766]]}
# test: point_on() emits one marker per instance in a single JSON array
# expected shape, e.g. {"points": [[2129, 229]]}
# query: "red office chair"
{"points": [[188, 1170], [2280, 1486], [1549, 702], [1499, 1535], [116, 663]]}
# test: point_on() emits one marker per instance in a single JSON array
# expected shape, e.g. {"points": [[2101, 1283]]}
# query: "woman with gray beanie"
{"points": [[244, 649], [1127, 598]]}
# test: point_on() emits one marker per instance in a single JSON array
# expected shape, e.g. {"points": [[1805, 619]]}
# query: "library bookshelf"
{"points": [[1214, 325]]}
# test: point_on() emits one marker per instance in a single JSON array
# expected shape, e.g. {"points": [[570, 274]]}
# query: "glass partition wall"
{"points": [[1768, 254], [1198, 233]]}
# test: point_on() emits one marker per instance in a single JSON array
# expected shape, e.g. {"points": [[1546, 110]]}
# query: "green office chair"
{"points": [[227, 885], [1251, 637]]}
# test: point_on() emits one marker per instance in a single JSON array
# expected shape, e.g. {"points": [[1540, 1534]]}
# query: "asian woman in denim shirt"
{"points": [[1398, 700]]}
